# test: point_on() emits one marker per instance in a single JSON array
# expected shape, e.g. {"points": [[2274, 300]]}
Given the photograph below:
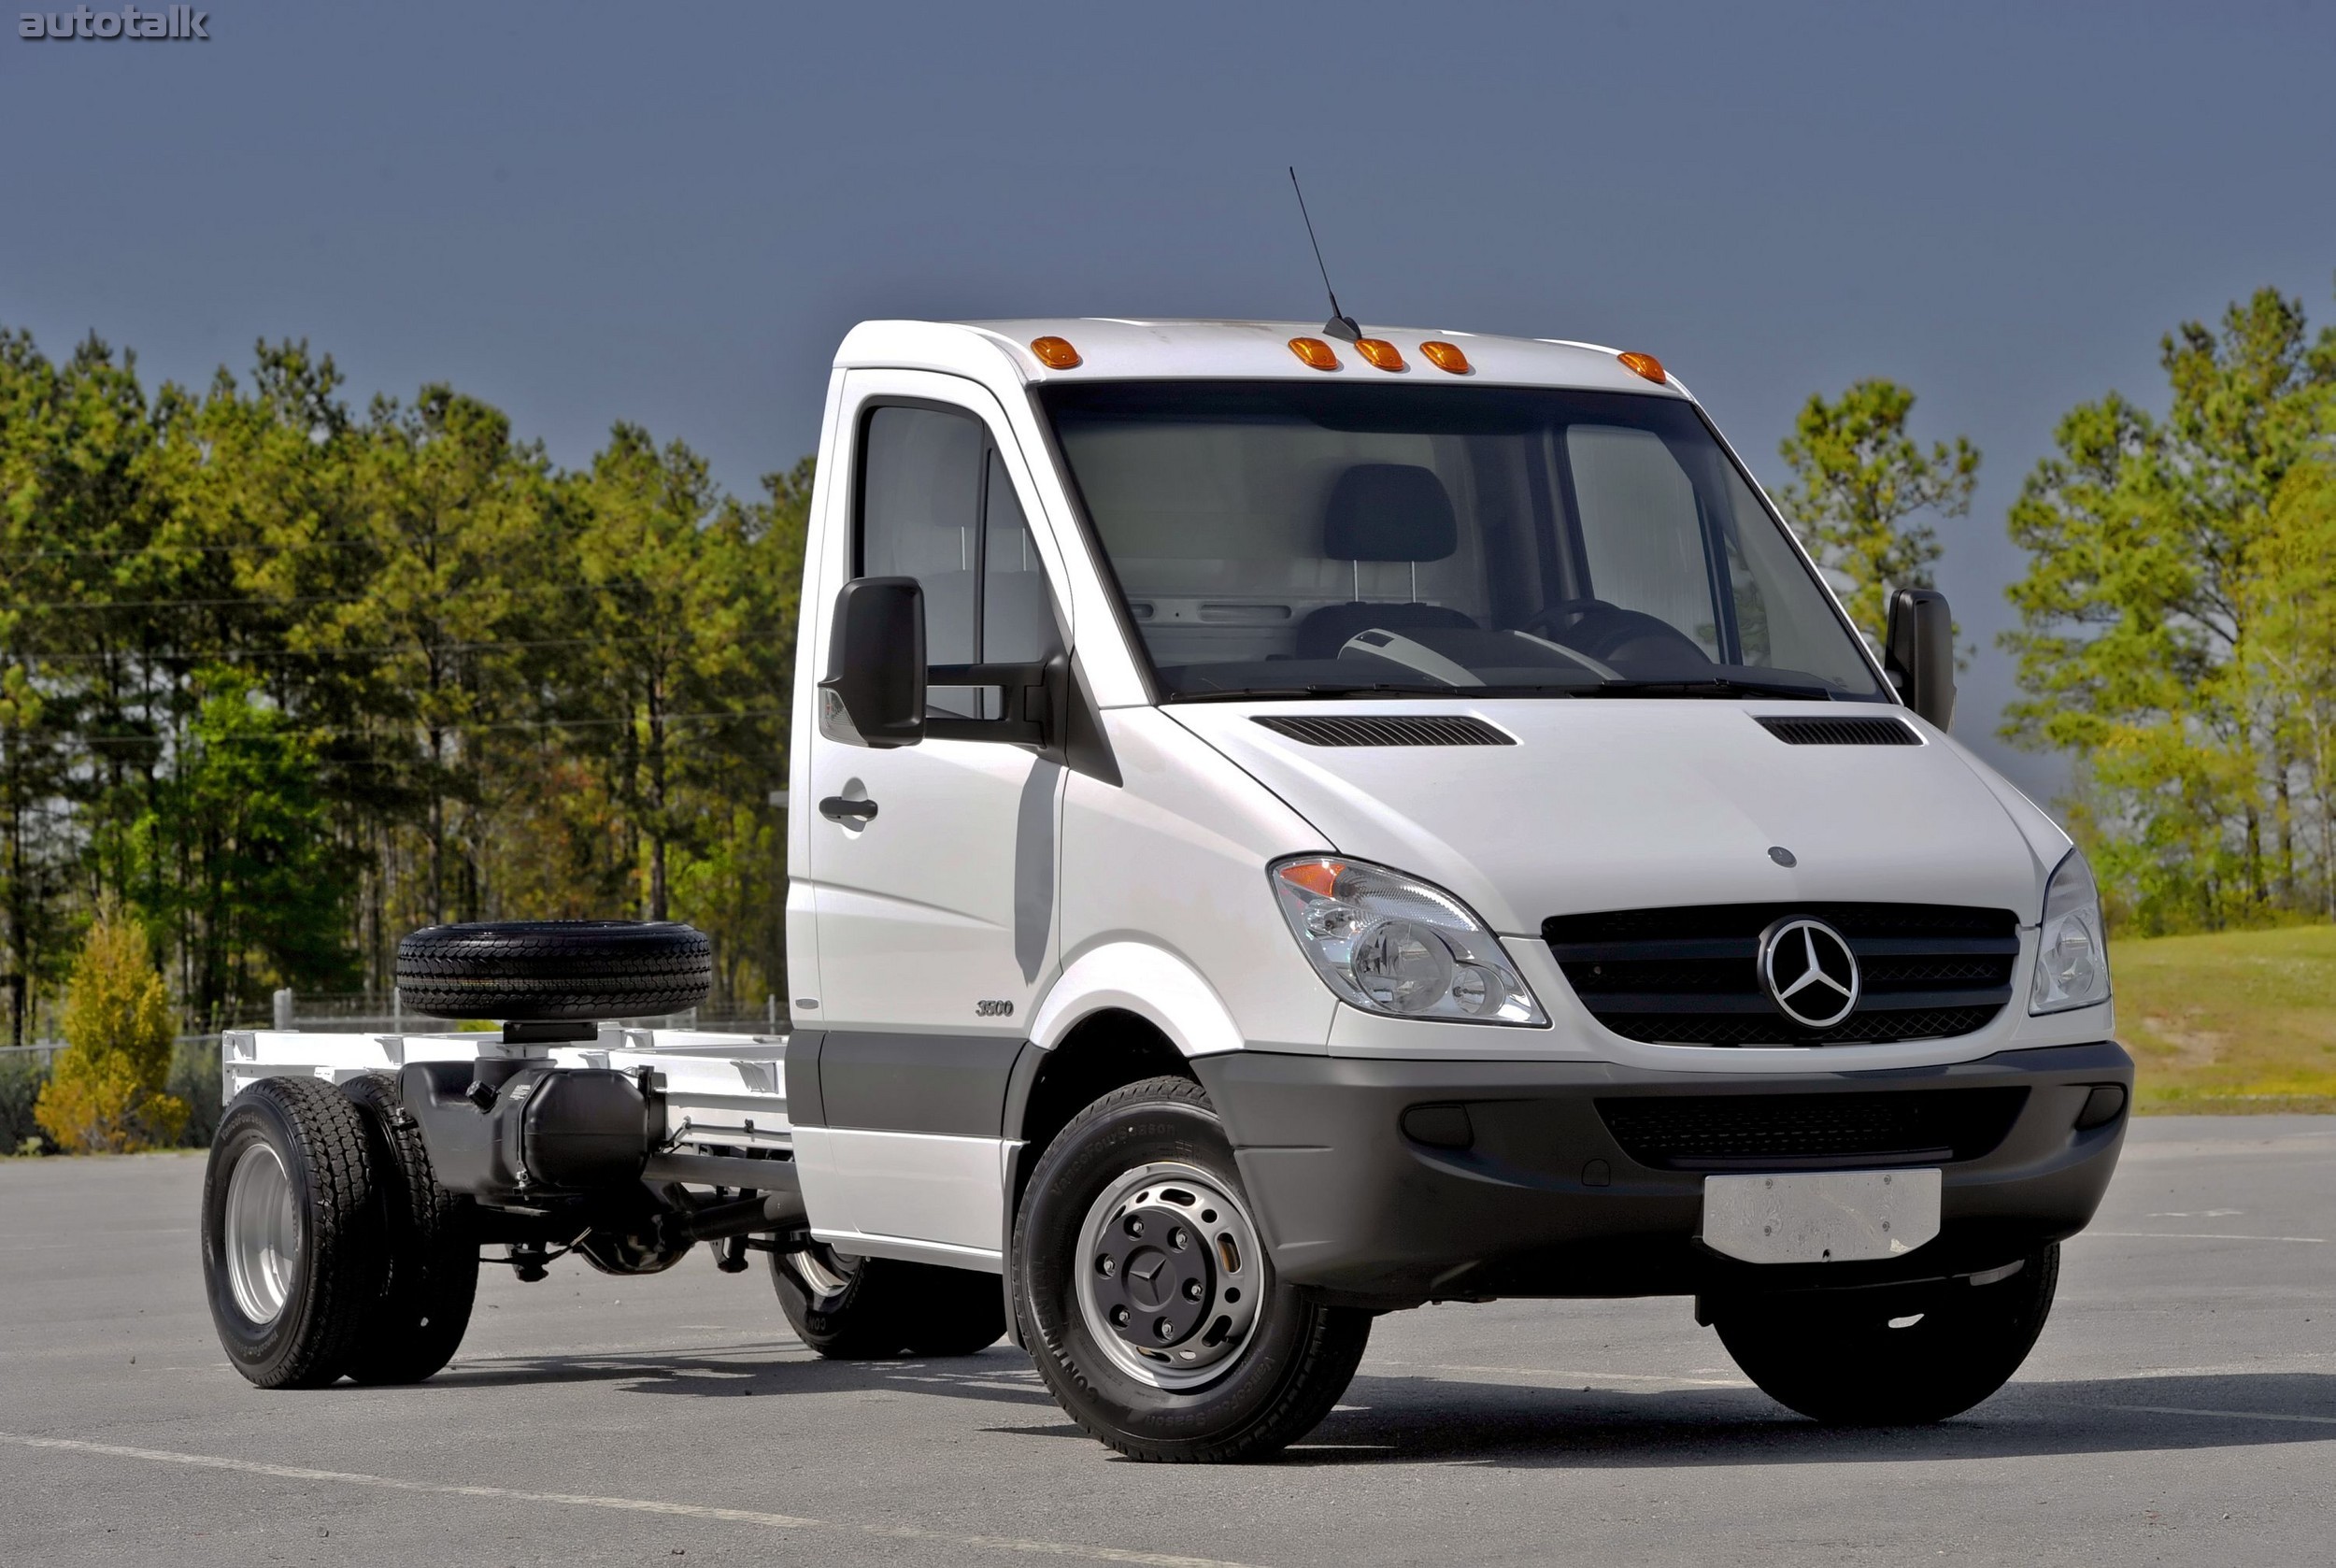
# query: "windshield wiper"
{"points": [[1326, 689], [1714, 686]]}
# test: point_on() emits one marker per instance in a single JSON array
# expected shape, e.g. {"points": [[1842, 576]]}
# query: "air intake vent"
{"points": [[1840, 732], [1389, 729], [1810, 1132]]}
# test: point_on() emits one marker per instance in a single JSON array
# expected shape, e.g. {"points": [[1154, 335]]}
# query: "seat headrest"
{"points": [[1389, 511]]}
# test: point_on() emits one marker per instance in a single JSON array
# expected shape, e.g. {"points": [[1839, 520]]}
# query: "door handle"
{"points": [[836, 808]]}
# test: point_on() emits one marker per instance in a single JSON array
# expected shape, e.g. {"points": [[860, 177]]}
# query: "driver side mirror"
{"points": [[874, 690], [1920, 652]]}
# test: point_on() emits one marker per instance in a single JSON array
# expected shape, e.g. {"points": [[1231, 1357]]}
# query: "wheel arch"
{"points": [[1105, 1048]]}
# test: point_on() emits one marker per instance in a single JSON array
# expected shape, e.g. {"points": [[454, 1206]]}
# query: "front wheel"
{"points": [[1899, 1361], [1147, 1300]]}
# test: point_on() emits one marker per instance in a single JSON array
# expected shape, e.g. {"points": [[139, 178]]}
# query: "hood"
{"points": [[1621, 804]]}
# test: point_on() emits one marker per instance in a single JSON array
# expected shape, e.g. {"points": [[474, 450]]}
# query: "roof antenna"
{"points": [[1340, 325]]}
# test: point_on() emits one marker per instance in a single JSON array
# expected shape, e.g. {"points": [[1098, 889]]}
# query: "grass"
{"points": [[2232, 1022]]}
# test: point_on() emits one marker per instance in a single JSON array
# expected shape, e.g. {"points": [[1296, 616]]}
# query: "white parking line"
{"points": [[1569, 1376], [2196, 1235], [2218, 1414], [625, 1504]]}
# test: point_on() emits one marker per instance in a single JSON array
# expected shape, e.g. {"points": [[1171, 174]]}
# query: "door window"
{"points": [[937, 504]]}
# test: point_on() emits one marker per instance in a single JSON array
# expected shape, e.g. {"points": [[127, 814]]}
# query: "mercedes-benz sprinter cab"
{"points": [[1288, 829]]}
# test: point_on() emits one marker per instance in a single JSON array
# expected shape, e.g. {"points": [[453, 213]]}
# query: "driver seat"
{"points": [[1382, 511]]}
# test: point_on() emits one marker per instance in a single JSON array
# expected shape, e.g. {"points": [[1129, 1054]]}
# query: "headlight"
{"points": [[1387, 944], [2072, 958]]}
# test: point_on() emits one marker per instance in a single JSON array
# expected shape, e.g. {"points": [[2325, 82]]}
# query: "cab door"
{"points": [[933, 865]]}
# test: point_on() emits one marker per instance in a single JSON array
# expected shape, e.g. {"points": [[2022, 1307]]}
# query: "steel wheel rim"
{"points": [[1228, 1328], [262, 1241], [824, 1283]]}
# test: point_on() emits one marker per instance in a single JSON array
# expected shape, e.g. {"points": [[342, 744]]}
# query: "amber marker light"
{"points": [[1318, 878], [1055, 354], [1314, 352], [1446, 356], [1380, 351], [1643, 364]]}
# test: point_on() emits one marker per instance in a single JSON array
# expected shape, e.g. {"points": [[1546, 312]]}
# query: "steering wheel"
{"points": [[1599, 629]]}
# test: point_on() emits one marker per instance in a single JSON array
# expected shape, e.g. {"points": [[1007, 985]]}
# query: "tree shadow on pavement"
{"points": [[1000, 1373], [1418, 1419]]}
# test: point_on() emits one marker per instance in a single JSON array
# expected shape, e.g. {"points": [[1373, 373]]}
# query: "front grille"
{"points": [[1690, 975], [1840, 732], [1773, 1131], [1389, 729]]}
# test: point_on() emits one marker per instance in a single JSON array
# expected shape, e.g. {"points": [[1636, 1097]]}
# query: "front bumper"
{"points": [[1543, 1200]]}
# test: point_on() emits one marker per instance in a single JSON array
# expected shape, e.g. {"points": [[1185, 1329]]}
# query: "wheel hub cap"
{"points": [[1155, 1295], [1171, 1275]]}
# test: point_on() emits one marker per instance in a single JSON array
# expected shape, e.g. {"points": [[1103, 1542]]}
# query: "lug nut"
{"points": [[1166, 1329], [1175, 1238], [1105, 1266], [1118, 1317], [1136, 1224], [1191, 1289]]}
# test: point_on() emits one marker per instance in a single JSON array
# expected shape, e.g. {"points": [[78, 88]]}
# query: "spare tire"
{"points": [[528, 970]]}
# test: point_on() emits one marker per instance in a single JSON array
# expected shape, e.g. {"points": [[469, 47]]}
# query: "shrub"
{"points": [[105, 1091]]}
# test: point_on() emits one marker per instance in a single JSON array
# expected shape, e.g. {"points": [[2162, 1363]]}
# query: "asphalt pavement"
{"points": [[2180, 1408]]}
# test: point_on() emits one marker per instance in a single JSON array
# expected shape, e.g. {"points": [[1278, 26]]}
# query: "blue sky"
{"points": [[590, 212]]}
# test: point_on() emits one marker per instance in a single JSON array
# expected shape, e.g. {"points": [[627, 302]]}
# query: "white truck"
{"points": [[1290, 825]]}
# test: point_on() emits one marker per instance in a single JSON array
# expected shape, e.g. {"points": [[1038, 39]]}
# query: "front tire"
{"points": [[1841, 1362], [1147, 1299], [292, 1253]]}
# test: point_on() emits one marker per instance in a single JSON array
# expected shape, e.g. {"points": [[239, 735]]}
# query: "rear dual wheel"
{"points": [[293, 1233], [852, 1308], [328, 1247], [432, 1249]]}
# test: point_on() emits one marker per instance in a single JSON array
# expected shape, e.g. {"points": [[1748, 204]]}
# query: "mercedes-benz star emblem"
{"points": [[1809, 972]]}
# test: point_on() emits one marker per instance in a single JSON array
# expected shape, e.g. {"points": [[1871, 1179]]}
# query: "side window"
{"points": [[1017, 624], [937, 504], [920, 517]]}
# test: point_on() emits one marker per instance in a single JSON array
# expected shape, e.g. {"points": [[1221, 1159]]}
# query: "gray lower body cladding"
{"points": [[1387, 1183]]}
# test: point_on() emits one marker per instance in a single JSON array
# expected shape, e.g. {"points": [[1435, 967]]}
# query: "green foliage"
{"points": [[106, 1089], [235, 853], [1859, 484], [22, 1076], [289, 678], [2174, 624]]}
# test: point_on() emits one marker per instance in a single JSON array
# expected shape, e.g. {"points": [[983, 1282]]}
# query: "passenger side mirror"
{"points": [[1920, 652], [875, 687]]}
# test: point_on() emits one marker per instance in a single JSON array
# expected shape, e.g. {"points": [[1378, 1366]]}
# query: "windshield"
{"points": [[1287, 538]]}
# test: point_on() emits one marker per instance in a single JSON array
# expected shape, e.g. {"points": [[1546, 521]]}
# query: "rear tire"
{"points": [[1840, 1362], [1237, 1365], [432, 1249], [852, 1308], [293, 1236]]}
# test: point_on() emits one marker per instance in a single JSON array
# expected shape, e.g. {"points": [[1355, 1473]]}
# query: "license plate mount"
{"points": [[1821, 1217]]}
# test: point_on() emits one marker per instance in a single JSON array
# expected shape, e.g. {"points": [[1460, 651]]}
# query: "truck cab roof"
{"points": [[1123, 348]]}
